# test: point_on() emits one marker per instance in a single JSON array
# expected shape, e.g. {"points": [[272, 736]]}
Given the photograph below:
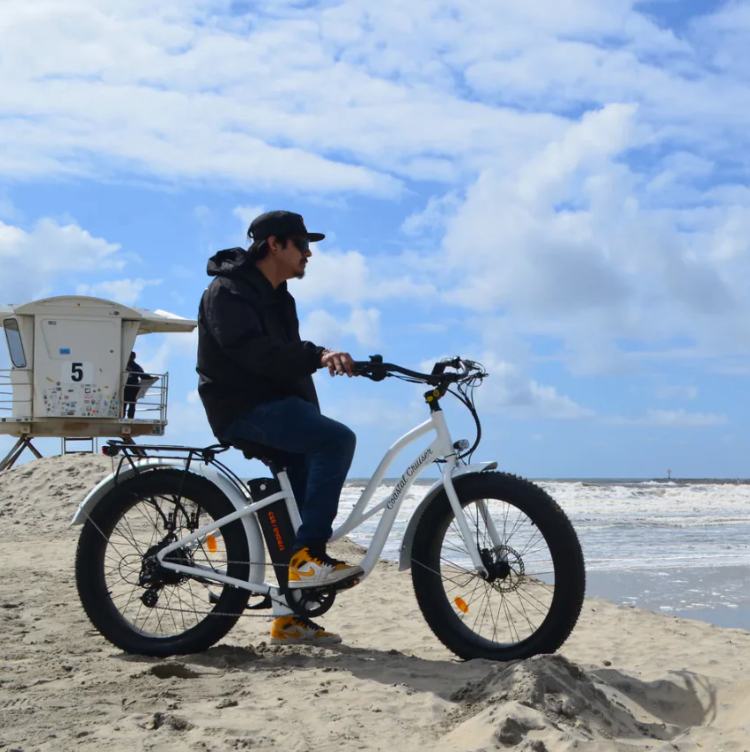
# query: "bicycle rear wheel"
{"points": [[140, 606], [533, 595]]}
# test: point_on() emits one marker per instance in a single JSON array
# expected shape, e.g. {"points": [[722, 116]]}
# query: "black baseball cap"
{"points": [[281, 223]]}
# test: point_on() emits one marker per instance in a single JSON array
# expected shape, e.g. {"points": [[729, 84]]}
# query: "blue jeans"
{"points": [[320, 455]]}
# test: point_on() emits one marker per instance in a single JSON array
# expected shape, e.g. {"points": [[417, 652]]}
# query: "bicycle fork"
{"points": [[463, 525]]}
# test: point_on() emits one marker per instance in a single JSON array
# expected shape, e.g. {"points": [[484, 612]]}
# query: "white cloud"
{"points": [[363, 97], [521, 398], [605, 231], [355, 279], [246, 214], [672, 418], [155, 93], [35, 261], [124, 291], [373, 411], [509, 390], [158, 351], [568, 247], [332, 332], [434, 216], [187, 424]]}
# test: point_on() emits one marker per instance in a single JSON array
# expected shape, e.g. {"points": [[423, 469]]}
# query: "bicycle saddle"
{"points": [[255, 451]]}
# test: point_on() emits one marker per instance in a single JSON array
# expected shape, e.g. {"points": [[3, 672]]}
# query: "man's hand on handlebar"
{"points": [[337, 362]]}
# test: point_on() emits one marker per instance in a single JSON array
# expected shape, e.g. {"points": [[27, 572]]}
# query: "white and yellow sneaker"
{"points": [[309, 569], [293, 630]]}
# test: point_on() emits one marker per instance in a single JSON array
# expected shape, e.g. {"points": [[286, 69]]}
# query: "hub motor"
{"points": [[505, 568]]}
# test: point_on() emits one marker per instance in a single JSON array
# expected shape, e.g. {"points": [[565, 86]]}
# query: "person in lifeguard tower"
{"points": [[132, 385], [256, 385]]}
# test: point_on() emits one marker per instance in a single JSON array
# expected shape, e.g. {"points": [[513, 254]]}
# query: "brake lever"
{"points": [[380, 376], [439, 368]]}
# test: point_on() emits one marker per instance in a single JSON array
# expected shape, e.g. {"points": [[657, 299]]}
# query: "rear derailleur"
{"points": [[153, 576]]}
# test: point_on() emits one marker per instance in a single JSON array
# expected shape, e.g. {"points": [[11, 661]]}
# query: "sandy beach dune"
{"points": [[626, 680]]}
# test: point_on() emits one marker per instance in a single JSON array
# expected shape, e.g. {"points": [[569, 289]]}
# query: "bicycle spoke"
{"points": [[143, 526], [511, 624], [543, 608], [531, 541], [494, 624], [524, 614], [508, 607], [471, 597]]}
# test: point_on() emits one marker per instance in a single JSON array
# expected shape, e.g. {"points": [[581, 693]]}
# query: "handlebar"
{"points": [[467, 375], [376, 370]]}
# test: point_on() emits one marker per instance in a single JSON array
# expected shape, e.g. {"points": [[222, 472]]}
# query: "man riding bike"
{"points": [[256, 385]]}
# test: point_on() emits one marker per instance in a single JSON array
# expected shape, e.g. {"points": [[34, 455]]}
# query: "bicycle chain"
{"points": [[259, 595], [284, 604], [215, 613]]}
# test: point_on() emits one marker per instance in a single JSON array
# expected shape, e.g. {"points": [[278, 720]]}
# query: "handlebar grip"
{"points": [[372, 369]]}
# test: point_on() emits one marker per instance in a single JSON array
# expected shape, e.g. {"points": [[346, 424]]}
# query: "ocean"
{"points": [[680, 547]]}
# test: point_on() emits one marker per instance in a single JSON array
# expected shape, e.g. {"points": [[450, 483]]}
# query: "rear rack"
{"points": [[130, 453], [118, 446]]}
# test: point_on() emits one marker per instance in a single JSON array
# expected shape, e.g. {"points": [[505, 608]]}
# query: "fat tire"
{"points": [[90, 577], [560, 537]]}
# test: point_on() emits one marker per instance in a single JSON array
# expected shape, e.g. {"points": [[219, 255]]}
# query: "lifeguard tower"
{"points": [[69, 358]]}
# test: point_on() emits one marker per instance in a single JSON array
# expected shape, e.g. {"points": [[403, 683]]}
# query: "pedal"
{"points": [[348, 583]]}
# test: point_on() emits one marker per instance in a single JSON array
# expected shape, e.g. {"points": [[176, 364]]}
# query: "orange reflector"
{"points": [[461, 605], [211, 543]]}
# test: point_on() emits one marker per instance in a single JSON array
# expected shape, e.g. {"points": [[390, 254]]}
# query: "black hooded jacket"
{"points": [[249, 349]]}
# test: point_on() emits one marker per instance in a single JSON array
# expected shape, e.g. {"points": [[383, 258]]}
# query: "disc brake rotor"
{"points": [[505, 568]]}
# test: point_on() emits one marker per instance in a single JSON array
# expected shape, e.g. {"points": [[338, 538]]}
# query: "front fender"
{"points": [[404, 561], [238, 500]]}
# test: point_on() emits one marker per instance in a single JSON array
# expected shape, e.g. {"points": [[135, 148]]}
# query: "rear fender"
{"points": [[237, 499], [408, 540]]}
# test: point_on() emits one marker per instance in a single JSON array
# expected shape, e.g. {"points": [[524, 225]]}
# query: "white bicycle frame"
{"points": [[441, 447]]}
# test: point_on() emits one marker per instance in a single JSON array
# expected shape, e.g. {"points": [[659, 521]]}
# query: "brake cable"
{"points": [[464, 393]]}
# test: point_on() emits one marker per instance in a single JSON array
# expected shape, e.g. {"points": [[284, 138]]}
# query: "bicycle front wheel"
{"points": [[533, 593], [139, 606]]}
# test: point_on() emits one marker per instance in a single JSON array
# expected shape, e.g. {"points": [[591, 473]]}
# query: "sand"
{"points": [[627, 679]]}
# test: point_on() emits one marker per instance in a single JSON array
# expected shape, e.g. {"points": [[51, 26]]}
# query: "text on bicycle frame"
{"points": [[406, 476]]}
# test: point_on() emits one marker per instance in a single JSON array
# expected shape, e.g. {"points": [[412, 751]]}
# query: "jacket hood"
{"points": [[229, 263], [234, 262]]}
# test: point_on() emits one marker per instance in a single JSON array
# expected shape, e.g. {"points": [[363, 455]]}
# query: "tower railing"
{"points": [[16, 398], [16, 394], [152, 406]]}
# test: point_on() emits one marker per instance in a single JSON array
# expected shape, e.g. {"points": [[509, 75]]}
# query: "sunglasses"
{"points": [[302, 244]]}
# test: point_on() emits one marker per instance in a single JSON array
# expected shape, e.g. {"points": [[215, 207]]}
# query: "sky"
{"points": [[559, 190]]}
